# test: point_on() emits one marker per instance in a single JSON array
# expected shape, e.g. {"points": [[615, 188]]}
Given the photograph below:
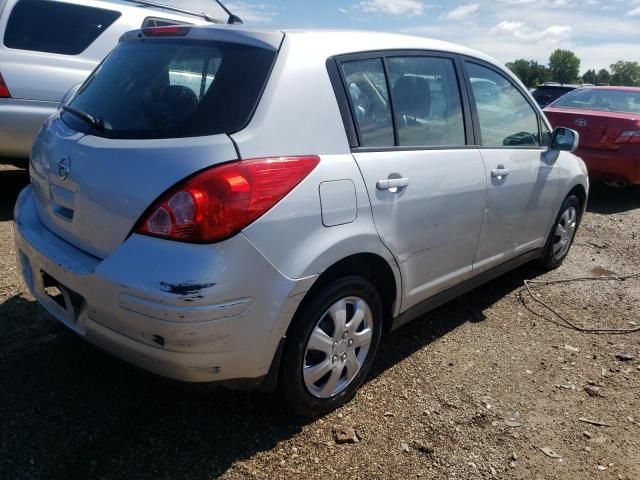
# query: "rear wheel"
{"points": [[562, 233], [331, 346]]}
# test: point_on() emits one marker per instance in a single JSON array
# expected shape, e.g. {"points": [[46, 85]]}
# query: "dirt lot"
{"points": [[476, 389]]}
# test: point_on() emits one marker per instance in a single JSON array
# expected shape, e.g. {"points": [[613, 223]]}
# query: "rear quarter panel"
{"points": [[299, 115]]}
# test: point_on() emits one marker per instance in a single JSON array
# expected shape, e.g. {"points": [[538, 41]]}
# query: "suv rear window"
{"points": [[546, 94], [56, 27], [170, 88]]}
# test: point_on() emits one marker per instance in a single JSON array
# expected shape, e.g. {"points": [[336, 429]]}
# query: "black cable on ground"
{"points": [[528, 283]]}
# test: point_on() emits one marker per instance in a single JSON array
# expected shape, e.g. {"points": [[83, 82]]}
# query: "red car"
{"points": [[608, 121]]}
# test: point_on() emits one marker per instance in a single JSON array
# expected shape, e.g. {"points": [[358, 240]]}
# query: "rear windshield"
{"points": [[549, 94], [603, 100], [56, 27], [168, 88]]}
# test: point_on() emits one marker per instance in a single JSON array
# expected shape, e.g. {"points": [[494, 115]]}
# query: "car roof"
{"points": [[338, 42], [558, 86], [321, 44], [345, 41], [607, 87]]}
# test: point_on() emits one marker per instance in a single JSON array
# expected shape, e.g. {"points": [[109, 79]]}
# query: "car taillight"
{"points": [[4, 90], [630, 136], [168, 31], [217, 203]]}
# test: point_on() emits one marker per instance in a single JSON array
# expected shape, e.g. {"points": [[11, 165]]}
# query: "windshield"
{"points": [[169, 88], [621, 101]]}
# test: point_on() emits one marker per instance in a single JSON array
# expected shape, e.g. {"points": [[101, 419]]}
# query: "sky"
{"points": [[600, 32]]}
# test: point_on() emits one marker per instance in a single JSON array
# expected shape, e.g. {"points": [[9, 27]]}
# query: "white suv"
{"points": [[48, 46]]}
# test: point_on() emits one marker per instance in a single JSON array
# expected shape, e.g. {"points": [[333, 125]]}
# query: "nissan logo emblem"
{"points": [[581, 122], [64, 167]]}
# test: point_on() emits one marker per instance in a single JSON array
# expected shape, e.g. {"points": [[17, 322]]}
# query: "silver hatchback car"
{"points": [[256, 208]]}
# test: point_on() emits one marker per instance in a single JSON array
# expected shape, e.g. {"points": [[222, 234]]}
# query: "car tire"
{"points": [[331, 346], [562, 233]]}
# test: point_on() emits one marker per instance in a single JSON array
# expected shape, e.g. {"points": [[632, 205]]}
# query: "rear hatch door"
{"points": [[162, 111]]}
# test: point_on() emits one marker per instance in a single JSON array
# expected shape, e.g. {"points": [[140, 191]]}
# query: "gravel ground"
{"points": [[476, 389]]}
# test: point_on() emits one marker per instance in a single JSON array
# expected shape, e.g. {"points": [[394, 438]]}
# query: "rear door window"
{"points": [[367, 88], [426, 101], [170, 88], [56, 27], [505, 116]]}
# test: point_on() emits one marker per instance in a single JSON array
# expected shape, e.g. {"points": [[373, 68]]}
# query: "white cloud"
{"points": [[548, 36], [343, 10], [461, 13], [393, 7], [511, 29], [252, 12], [634, 13]]}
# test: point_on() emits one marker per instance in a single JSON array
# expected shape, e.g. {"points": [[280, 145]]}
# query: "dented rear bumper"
{"points": [[198, 313]]}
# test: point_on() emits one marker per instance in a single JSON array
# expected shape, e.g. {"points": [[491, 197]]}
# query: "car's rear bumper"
{"points": [[612, 165], [20, 121], [198, 313]]}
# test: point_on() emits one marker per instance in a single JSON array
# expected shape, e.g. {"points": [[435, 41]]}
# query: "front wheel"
{"points": [[331, 346], [562, 233]]}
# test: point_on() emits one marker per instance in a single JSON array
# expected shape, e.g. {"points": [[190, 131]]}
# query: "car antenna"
{"points": [[233, 19]]}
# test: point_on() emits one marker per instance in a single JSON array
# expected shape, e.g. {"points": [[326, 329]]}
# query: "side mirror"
{"points": [[564, 139], [70, 94]]}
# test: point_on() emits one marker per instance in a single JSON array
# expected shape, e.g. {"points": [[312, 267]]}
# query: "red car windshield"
{"points": [[621, 101]]}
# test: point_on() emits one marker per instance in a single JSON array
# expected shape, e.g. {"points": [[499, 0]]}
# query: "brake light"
{"points": [[167, 31], [4, 90], [218, 202], [630, 136]]}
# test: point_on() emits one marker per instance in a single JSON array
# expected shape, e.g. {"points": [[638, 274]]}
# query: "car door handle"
{"points": [[389, 183], [499, 172]]}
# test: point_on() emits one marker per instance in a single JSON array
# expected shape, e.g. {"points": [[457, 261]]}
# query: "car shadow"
{"points": [[608, 200], [11, 182], [469, 307], [71, 411]]}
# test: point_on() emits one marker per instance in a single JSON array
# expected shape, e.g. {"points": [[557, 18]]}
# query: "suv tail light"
{"points": [[630, 136], [217, 203], [4, 90]]}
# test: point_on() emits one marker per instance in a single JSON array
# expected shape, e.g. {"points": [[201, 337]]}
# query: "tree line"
{"points": [[564, 67]]}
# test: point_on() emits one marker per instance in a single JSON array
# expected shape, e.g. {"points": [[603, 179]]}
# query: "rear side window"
{"points": [[56, 27], [506, 118], [169, 88], [367, 89], [426, 101]]}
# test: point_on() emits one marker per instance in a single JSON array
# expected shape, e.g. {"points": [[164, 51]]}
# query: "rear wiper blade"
{"points": [[206, 16], [95, 122]]}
